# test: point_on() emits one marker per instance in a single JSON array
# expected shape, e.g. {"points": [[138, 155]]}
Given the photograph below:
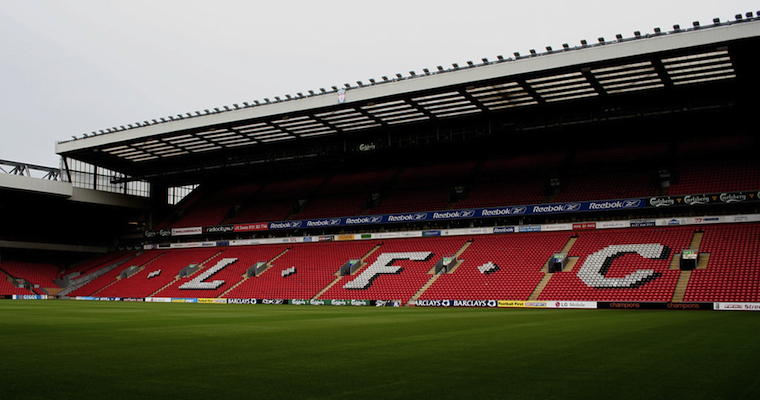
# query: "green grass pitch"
{"points": [[103, 350]]}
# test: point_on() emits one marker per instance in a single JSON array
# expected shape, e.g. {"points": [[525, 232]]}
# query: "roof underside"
{"points": [[710, 64]]}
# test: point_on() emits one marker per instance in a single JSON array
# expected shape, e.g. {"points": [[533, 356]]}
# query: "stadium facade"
{"points": [[472, 185]]}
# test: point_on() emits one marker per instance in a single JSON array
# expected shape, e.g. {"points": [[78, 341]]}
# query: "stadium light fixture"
{"points": [[245, 103], [426, 71], [130, 126], [334, 88], [532, 52], [256, 102], [347, 85], [74, 137], [399, 76], [470, 63], [323, 90], [412, 73], [549, 49], [738, 17], [440, 68], [485, 60], [217, 109], [205, 111], [657, 30], [196, 113], [227, 108], [359, 83], [277, 98], [385, 78], [266, 100], [748, 15], [676, 27], [371, 81], [288, 96], [455, 65], [500, 57], [154, 121], [619, 37], [565, 46], [637, 33], [584, 42], [311, 93], [695, 24], [517, 54], [600, 39], [716, 21]]}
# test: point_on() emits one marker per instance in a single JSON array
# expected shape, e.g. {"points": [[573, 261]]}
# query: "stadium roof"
{"points": [[700, 56]]}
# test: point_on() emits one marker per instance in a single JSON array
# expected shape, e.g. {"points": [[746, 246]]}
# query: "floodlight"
{"points": [[334, 88], [399, 76], [311, 93], [206, 111], [583, 42], [455, 65], [323, 90], [371, 81], [412, 73], [738, 16], [600, 39], [716, 21], [217, 109], [470, 63], [549, 48], [385, 78], [426, 71], [485, 60], [288, 96], [440, 68], [565, 46], [359, 83], [676, 27], [619, 37], [276, 98], [74, 137], [266, 99], [154, 121], [748, 15], [517, 54], [245, 103], [695, 24], [500, 57], [657, 30], [637, 34], [256, 102], [532, 52]]}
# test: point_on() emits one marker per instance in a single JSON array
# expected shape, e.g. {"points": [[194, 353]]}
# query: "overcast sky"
{"points": [[77, 66]]}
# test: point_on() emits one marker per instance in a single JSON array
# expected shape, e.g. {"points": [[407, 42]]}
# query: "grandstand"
{"points": [[622, 171]]}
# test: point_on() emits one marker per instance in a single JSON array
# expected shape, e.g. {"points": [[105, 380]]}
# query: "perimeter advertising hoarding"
{"points": [[736, 306], [642, 305]]}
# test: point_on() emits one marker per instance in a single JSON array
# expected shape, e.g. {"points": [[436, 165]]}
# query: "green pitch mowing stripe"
{"points": [[101, 350]]}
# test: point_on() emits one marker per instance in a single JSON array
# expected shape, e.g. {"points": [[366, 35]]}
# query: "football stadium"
{"points": [[574, 222]]}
